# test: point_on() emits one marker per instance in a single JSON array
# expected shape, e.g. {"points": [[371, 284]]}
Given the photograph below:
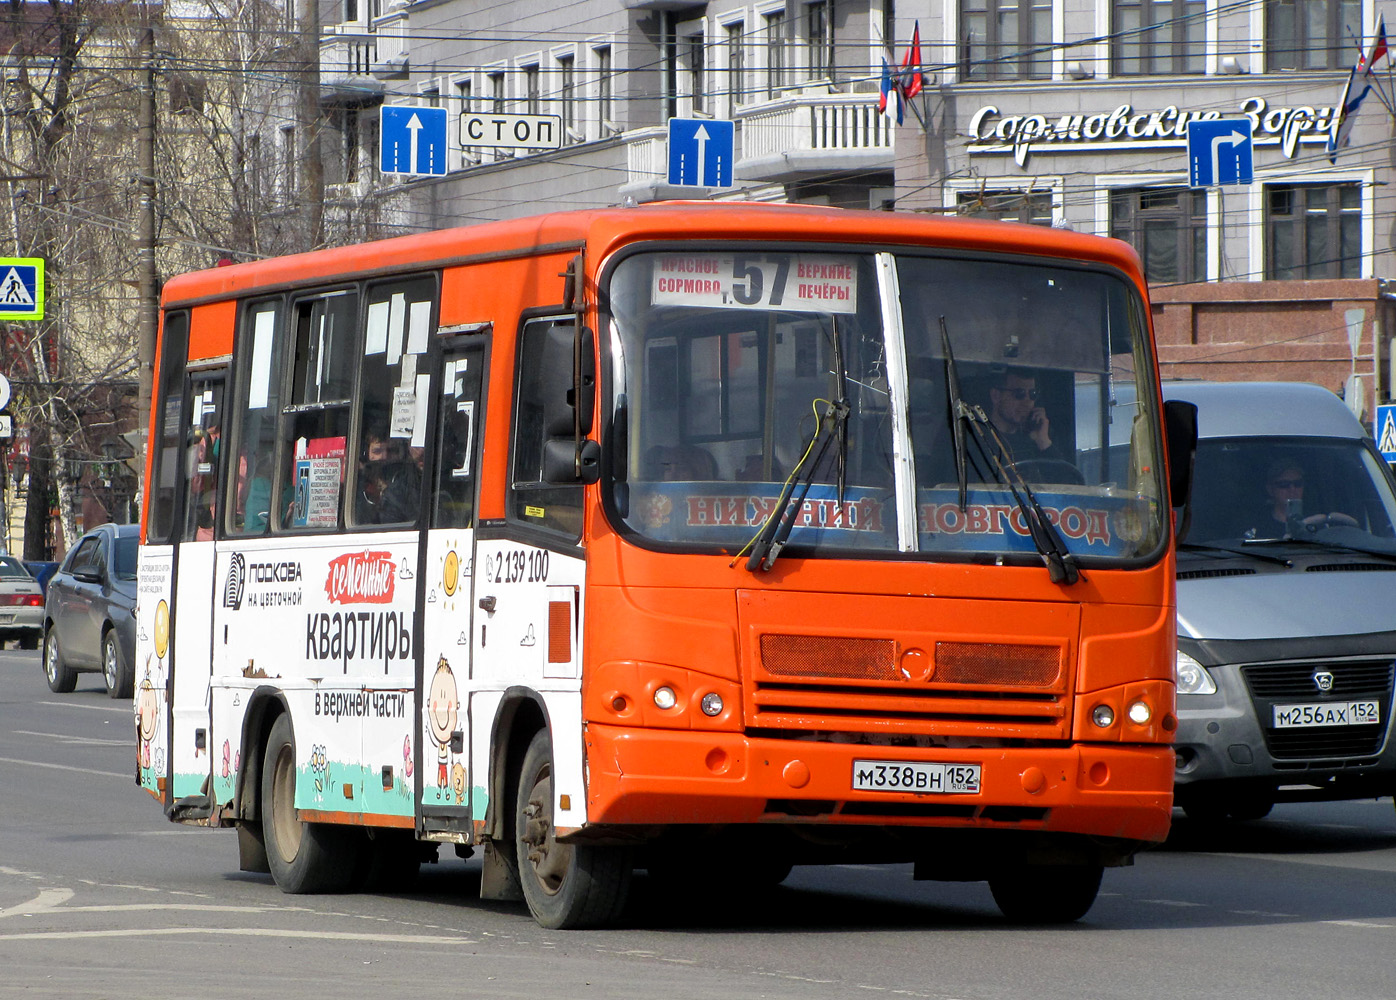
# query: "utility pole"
{"points": [[148, 277], [312, 195]]}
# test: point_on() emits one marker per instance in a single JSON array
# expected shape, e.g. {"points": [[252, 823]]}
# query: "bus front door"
{"points": [[192, 758], [444, 780]]}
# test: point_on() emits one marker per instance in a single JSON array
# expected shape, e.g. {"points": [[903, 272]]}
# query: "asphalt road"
{"points": [[101, 897]]}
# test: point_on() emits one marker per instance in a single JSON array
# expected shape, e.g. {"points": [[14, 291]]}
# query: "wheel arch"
{"points": [[264, 707], [521, 713]]}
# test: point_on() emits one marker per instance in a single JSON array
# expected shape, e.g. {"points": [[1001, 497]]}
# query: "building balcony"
{"points": [[347, 57], [806, 135], [647, 166]]}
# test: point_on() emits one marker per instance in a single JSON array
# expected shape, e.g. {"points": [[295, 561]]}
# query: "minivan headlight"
{"points": [[1193, 677]]}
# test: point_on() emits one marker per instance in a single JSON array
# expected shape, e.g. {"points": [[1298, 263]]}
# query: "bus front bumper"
{"points": [[664, 777]]}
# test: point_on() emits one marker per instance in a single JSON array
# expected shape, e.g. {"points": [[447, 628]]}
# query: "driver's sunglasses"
{"points": [[1020, 393]]}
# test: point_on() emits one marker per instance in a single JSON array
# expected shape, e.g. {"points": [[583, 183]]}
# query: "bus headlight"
{"points": [[1103, 716], [712, 704], [1192, 676], [664, 698], [1140, 713]]}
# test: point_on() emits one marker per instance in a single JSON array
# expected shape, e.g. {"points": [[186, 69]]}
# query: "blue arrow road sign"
{"points": [[700, 152], [412, 140], [1220, 152], [1384, 430]]}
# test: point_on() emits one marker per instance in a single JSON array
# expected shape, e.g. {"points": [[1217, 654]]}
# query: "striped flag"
{"points": [[1360, 81]]}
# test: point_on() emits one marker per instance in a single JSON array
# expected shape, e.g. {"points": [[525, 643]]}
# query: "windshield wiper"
{"points": [[959, 414], [1325, 543], [769, 542], [1211, 548], [1060, 562], [766, 547]]}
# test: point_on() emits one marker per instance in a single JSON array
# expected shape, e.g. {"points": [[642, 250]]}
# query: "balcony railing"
{"points": [[813, 133], [346, 60]]}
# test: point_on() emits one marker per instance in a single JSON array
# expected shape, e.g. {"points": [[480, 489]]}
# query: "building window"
{"points": [[777, 52], [497, 106], [1033, 207], [1315, 231], [1312, 34], [465, 105], [351, 145], [695, 51], [1005, 39], [567, 94], [533, 96], [819, 29], [1168, 227], [432, 97], [736, 63], [1159, 36], [604, 85], [289, 162]]}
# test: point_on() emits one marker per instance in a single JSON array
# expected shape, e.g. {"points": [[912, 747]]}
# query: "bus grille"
{"points": [[862, 685]]}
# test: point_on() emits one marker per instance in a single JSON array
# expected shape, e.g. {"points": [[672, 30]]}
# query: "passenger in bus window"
{"points": [[1022, 425], [402, 490], [258, 498]]}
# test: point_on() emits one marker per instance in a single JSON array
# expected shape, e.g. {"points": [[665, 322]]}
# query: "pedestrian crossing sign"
{"points": [[21, 288], [1384, 430]]}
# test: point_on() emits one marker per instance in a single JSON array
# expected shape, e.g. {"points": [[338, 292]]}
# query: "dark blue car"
{"points": [[90, 611]]}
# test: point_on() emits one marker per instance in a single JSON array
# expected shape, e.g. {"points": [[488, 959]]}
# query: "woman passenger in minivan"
{"points": [[1284, 482]]}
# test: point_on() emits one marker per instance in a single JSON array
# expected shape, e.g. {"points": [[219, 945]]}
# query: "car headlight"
{"points": [[1192, 676]]}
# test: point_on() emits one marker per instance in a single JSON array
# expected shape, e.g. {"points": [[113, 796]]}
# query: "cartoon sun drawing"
{"points": [[443, 703], [450, 573]]}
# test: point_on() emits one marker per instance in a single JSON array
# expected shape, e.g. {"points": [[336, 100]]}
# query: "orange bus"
{"points": [[685, 537]]}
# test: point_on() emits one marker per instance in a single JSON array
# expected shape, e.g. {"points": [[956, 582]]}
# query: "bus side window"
{"points": [[204, 451], [167, 437], [385, 478], [315, 420], [259, 396], [532, 501]]}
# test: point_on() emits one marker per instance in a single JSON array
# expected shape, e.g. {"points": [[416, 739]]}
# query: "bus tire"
{"points": [[61, 677], [1046, 894], [303, 857], [565, 885]]}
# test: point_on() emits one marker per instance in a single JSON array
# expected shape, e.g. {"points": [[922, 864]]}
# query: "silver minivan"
{"points": [[1286, 604]]}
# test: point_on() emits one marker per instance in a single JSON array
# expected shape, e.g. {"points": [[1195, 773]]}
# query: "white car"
{"points": [[21, 604]]}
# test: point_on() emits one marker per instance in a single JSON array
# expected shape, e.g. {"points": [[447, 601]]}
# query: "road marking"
{"points": [[1358, 923], [47, 899], [128, 775], [1171, 902], [68, 935], [127, 710], [76, 740]]}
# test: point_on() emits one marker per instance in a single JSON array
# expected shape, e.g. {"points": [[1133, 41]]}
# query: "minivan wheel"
{"points": [[115, 670], [61, 678]]}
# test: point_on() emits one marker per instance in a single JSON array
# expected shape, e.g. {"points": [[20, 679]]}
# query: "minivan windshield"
{"points": [[821, 386], [1249, 489]]}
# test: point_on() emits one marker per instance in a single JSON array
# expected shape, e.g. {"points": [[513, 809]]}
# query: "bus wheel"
{"points": [[303, 857], [1046, 894], [565, 885], [61, 677]]}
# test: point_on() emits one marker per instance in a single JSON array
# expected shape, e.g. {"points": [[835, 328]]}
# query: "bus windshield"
{"points": [[823, 387]]}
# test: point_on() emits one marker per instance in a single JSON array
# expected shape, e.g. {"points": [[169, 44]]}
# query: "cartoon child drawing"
{"points": [[443, 701], [147, 713]]}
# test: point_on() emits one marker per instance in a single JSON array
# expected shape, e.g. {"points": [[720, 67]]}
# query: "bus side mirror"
{"points": [[568, 383], [1180, 438]]}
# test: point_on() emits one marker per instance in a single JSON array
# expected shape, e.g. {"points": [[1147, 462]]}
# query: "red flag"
{"points": [[909, 81]]}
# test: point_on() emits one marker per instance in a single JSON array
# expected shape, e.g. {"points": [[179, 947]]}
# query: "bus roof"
{"points": [[609, 228]]}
